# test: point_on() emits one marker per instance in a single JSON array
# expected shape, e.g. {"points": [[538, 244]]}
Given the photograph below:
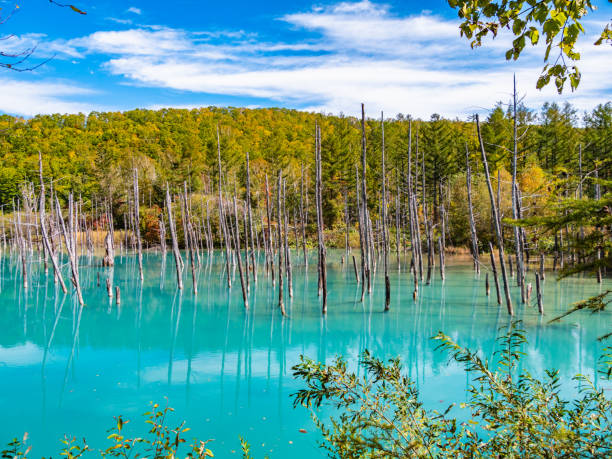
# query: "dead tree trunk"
{"points": [[415, 261], [442, 239], [162, 234], [427, 224], [520, 270], [109, 239], [302, 219], [473, 234], [281, 303], [360, 228], [495, 278], [109, 288], [599, 248], [364, 203], [70, 239], [496, 221], [397, 221], [137, 224], [287, 249], [322, 250], [384, 219], [222, 222], [190, 242], [245, 297], [539, 293], [43, 228], [347, 226], [417, 238], [270, 254], [246, 248], [21, 245], [441, 254], [250, 218], [175, 248], [211, 245]]}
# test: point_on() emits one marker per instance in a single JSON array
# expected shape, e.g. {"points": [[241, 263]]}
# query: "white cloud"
{"points": [[133, 9], [41, 97], [42, 47], [365, 26], [144, 42], [120, 21]]}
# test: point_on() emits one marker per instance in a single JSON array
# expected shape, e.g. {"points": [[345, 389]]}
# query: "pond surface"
{"points": [[227, 372]]}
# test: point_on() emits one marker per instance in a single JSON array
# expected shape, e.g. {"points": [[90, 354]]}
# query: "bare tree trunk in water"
{"points": [[364, 199], [162, 233], [520, 270], [250, 218], [281, 304], [109, 239], [442, 238], [190, 241], [414, 262], [496, 221], [21, 245], [175, 248], [384, 219], [222, 221], [347, 225], [270, 255], [360, 228], [495, 278], [474, 236], [303, 222], [322, 251], [397, 221], [43, 227], [70, 239], [137, 224], [287, 249], [539, 293], [245, 297]]}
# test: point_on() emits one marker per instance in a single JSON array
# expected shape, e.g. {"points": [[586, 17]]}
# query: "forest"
{"points": [[559, 151]]}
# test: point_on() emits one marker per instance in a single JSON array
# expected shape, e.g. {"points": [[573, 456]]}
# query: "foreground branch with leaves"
{"points": [[558, 22], [511, 413], [161, 441]]}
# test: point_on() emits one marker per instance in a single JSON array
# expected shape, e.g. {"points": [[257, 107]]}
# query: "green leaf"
{"points": [[542, 81], [559, 82], [547, 53], [518, 26]]}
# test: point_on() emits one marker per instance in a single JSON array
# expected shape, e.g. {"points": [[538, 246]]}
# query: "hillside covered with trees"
{"points": [[94, 157]]}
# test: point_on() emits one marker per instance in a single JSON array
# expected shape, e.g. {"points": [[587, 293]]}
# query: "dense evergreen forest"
{"points": [[94, 157]]}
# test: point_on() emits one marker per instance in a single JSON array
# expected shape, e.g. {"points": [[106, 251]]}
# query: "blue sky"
{"points": [[326, 56]]}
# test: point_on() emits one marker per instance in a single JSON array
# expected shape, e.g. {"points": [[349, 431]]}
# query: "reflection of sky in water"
{"points": [[21, 355], [229, 373]]}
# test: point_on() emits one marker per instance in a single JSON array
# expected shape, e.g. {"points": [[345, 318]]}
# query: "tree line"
{"points": [[94, 155]]}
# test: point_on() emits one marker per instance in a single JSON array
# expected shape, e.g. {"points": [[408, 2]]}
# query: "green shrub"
{"points": [[512, 414], [161, 441]]}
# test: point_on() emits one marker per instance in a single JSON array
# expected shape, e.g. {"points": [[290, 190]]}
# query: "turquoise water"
{"points": [[227, 372]]}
